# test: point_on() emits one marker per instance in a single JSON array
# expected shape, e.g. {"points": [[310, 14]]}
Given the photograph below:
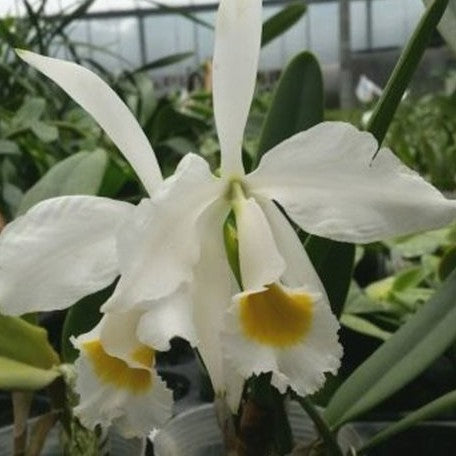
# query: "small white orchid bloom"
{"points": [[116, 380], [65, 248]]}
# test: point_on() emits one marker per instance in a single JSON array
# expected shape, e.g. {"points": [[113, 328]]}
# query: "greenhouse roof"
{"points": [[57, 6]]}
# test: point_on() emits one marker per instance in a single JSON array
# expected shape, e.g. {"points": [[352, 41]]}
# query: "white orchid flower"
{"points": [[65, 248], [169, 250], [116, 380], [324, 179]]}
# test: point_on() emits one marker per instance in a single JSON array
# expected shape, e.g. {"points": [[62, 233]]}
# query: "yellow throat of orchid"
{"points": [[116, 372], [276, 318]]}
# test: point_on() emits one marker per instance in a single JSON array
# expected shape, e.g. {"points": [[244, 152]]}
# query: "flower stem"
{"points": [[332, 447]]}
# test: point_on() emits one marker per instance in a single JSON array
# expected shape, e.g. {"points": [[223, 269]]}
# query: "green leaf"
{"points": [[47, 133], [9, 148], [168, 60], [80, 174], [30, 111], [27, 343], [180, 145], [431, 410], [417, 245], [421, 340], [16, 376], [404, 70], [297, 103], [334, 263], [358, 302], [282, 21], [69, 18], [363, 326], [81, 318], [447, 264], [113, 180]]}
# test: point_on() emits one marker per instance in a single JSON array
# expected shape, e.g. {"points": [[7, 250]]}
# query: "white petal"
{"points": [[58, 252], [301, 366], [212, 292], [160, 245], [236, 52], [101, 102], [299, 270], [166, 318], [259, 259], [326, 182], [118, 337], [133, 414]]}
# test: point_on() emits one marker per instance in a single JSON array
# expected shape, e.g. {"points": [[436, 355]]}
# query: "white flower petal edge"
{"points": [[300, 365], [235, 63], [63, 249], [134, 400], [211, 297], [259, 259], [159, 247], [117, 334], [327, 183], [101, 102], [166, 318], [299, 269]]}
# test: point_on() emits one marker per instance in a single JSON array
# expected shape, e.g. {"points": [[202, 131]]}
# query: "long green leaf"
{"points": [[282, 21], [431, 410], [297, 104], [163, 62], [399, 360], [334, 263], [403, 72], [17, 376], [80, 174], [364, 326], [67, 19], [36, 23]]}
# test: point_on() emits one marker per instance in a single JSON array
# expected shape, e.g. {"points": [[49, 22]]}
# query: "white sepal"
{"points": [[235, 64], [58, 252], [327, 183], [100, 101]]}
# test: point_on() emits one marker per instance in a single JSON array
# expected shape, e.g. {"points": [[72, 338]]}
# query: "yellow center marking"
{"points": [[143, 355], [116, 372], [276, 318]]}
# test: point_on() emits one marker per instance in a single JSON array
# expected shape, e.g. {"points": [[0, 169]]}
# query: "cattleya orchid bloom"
{"points": [[169, 250], [65, 248]]}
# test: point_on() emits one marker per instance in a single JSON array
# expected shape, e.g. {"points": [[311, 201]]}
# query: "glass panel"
{"points": [[388, 23], [324, 31], [169, 34], [119, 41], [358, 35]]}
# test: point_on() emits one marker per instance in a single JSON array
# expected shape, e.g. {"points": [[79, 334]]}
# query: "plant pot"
{"points": [[115, 444], [195, 433]]}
